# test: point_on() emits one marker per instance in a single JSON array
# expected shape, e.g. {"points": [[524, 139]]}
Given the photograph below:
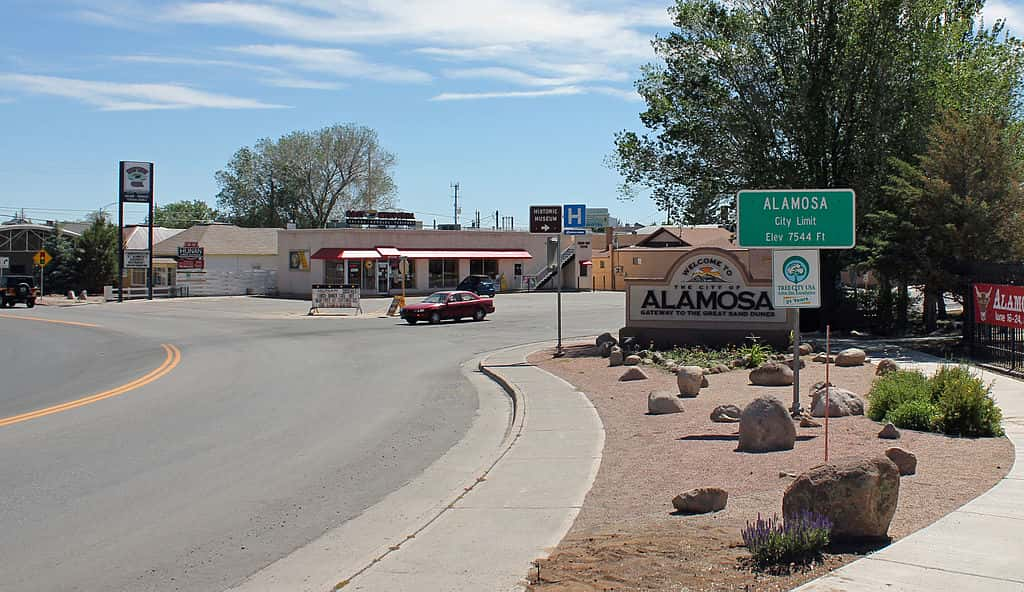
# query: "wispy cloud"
{"points": [[116, 96], [516, 94], [271, 75], [341, 63]]}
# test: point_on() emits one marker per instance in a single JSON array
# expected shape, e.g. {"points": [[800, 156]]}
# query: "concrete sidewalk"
{"points": [[477, 518], [978, 547]]}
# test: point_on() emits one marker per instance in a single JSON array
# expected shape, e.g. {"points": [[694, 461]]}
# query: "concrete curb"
{"points": [[478, 517], [975, 548]]}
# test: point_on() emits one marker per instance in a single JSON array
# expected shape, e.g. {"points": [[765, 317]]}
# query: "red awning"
{"points": [[467, 254], [339, 254], [587, 262], [389, 252]]}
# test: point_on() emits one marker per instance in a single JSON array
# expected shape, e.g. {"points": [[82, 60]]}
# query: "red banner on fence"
{"points": [[996, 304]]}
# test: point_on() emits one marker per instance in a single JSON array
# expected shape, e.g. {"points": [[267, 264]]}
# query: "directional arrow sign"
{"points": [[545, 219]]}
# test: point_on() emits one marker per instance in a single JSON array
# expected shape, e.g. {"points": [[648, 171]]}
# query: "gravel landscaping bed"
{"points": [[627, 536]]}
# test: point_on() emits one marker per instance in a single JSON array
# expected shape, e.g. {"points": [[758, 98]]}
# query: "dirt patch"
{"points": [[626, 537]]}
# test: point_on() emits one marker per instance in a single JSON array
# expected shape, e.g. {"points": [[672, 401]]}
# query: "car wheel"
{"points": [[30, 302], [411, 321], [435, 318], [479, 314]]}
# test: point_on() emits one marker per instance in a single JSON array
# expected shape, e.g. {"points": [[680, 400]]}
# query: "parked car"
{"points": [[479, 284], [18, 288], [455, 305]]}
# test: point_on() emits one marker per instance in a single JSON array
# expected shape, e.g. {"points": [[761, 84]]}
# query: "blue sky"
{"points": [[517, 101]]}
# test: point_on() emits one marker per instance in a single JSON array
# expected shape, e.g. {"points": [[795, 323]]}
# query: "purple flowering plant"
{"points": [[798, 538]]}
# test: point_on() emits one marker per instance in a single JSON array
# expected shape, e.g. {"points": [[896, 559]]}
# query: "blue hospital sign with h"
{"points": [[574, 216]]}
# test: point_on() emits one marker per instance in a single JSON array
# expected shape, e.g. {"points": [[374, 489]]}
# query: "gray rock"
{"points": [[841, 403], [633, 373], [606, 338], [905, 461], [605, 348], [722, 368], [807, 422], [632, 360], [806, 349], [886, 366], [889, 432], [725, 414], [859, 496], [661, 402], [789, 362], [765, 426], [615, 357], [688, 379], [820, 358], [701, 500], [851, 357], [772, 374], [658, 358]]}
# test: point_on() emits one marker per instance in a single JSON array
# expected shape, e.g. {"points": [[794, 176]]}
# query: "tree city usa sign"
{"points": [[796, 218]]}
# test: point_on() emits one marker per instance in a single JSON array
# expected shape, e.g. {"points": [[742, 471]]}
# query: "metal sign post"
{"points": [[558, 262], [796, 284], [548, 220]]}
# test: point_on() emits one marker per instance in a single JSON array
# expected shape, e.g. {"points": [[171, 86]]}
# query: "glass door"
{"points": [[383, 281]]}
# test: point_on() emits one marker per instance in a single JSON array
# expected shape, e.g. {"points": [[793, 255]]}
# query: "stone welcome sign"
{"points": [[706, 297]]}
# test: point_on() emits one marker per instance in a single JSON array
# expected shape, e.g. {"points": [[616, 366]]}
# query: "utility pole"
{"points": [[455, 186], [496, 226]]}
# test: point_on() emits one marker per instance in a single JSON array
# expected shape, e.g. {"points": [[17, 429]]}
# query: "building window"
{"points": [[601, 263], [488, 267], [444, 273], [334, 273], [637, 261], [396, 274], [517, 269]]}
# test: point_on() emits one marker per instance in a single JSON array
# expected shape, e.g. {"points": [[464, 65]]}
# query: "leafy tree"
{"points": [[98, 248], [61, 274], [803, 93], [307, 177], [183, 214]]}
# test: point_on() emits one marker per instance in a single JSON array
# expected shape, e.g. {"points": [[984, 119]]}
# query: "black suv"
{"points": [[480, 285], [18, 288]]}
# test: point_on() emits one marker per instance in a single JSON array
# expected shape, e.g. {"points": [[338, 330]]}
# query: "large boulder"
{"points": [[615, 358], [632, 360], [606, 338], [633, 373], [851, 357], [726, 414], [605, 348], [689, 379], [841, 402], [701, 500], [859, 496], [765, 426], [905, 461], [772, 374], [660, 402], [886, 366]]}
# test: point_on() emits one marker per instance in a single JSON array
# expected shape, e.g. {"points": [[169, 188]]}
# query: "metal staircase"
{"points": [[549, 272]]}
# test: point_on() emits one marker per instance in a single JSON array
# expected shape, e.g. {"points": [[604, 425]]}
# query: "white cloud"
{"points": [[518, 94], [116, 96], [1011, 12], [272, 76], [341, 63], [509, 75]]}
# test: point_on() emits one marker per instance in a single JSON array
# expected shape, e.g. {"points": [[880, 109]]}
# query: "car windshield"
{"points": [[437, 298]]}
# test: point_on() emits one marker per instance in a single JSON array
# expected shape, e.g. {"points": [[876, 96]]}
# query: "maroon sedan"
{"points": [[448, 305]]}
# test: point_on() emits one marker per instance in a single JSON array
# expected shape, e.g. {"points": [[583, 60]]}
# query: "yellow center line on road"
{"points": [[170, 362], [42, 320]]}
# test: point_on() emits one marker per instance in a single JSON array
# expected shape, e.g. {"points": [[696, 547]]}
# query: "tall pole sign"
{"points": [[548, 220], [795, 224], [135, 185]]}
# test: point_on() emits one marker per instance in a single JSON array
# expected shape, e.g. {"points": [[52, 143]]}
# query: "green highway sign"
{"points": [[796, 218]]}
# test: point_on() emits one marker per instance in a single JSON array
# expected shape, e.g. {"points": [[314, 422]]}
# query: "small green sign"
{"points": [[796, 218]]}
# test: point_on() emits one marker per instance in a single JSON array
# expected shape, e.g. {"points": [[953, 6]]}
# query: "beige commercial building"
{"points": [[435, 259], [649, 251]]}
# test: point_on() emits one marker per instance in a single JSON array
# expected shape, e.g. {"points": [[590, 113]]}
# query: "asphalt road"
{"points": [[272, 428]]}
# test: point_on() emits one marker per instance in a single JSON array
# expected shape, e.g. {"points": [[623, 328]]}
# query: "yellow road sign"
{"points": [[41, 258]]}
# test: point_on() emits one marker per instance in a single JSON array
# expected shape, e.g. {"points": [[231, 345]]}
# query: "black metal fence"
{"points": [[999, 346]]}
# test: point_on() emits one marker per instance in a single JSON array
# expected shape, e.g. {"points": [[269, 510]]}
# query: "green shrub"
{"points": [[756, 354], [915, 414], [964, 405], [797, 539], [895, 388], [946, 374]]}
